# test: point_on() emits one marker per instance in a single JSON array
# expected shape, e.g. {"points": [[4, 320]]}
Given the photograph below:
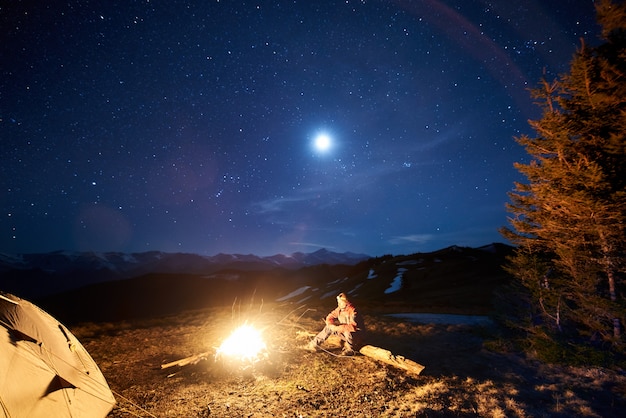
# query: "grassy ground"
{"points": [[461, 378]]}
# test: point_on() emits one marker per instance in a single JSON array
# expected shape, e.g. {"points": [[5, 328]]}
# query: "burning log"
{"points": [[244, 345], [388, 357]]}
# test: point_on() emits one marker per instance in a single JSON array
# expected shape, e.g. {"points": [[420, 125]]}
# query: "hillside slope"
{"points": [[454, 280], [461, 378]]}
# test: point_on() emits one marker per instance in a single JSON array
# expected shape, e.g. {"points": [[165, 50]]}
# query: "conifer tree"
{"points": [[569, 219]]}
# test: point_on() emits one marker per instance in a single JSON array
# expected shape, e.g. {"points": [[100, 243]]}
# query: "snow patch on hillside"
{"points": [[353, 291], [396, 283], [409, 262], [293, 294]]}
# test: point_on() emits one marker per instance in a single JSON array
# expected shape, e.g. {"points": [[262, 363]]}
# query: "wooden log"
{"points": [[388, 357], [303, 335], [187, 360]]}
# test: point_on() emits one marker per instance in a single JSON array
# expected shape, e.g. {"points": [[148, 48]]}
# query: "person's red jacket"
{"points": [[344, 319]]}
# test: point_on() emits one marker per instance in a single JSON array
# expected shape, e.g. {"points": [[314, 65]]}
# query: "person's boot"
{"points": [[311, 346], [347, 350]]}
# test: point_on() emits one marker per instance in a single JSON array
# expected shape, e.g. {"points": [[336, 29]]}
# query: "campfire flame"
{"points": [[245, 343]]}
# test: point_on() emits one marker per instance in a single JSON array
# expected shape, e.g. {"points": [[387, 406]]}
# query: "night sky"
{"points": [[185, 126]]}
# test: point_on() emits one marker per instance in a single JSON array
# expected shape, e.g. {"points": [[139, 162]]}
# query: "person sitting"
{"points": [[340, 322]]}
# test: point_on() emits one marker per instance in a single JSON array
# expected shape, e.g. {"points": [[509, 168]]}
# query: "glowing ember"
{"points": [[245, 343]]}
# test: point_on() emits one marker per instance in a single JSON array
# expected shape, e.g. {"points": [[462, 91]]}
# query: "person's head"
{"points": [[342, 300]]}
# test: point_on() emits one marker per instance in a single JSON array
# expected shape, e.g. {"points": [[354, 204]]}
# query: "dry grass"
{"points": [[461, 378]]}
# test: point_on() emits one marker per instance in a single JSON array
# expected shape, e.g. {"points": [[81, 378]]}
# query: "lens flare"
{"points": [[245, 343]]}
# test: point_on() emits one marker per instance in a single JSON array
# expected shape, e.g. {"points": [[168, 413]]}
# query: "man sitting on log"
{"points": [[340, 322]]}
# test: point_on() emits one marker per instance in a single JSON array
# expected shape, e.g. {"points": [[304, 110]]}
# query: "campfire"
{"points": [[242, 349], [245, 344]]}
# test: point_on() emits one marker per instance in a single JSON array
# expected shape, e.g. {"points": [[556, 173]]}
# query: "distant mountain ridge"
{"points": [[451, 280], [36, 275]]}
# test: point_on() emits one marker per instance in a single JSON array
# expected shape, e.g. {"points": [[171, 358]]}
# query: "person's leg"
{"points": [[348, 348], [314, 344], [322, 335]]}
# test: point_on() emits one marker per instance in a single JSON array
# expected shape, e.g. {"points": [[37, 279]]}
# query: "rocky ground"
{"points": [[461, 377]]}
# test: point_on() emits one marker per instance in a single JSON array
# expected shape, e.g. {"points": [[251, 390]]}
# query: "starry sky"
{"points": [[195, 126]]}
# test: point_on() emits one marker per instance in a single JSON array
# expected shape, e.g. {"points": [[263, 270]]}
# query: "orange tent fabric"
{"points": [[44, 370]]}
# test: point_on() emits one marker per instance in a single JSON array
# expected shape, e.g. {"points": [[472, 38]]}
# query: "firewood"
{"points": [[388, 357], [187, 360], [302, 335]]}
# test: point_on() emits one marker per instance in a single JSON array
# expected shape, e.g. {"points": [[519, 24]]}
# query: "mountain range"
{"points": [[39, 275], [94, 287]]}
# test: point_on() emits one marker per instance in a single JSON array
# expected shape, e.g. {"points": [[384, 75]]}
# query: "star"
{"points": [[186, 118]]}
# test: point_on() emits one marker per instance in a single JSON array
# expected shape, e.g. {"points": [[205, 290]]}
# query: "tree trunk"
{"points": [[610, 275]]}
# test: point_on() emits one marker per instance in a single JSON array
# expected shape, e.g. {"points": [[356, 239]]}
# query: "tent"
{"points": [[44, 370]]}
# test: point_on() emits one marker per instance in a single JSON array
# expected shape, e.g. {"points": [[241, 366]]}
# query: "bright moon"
{"points": [[322, 142]]}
